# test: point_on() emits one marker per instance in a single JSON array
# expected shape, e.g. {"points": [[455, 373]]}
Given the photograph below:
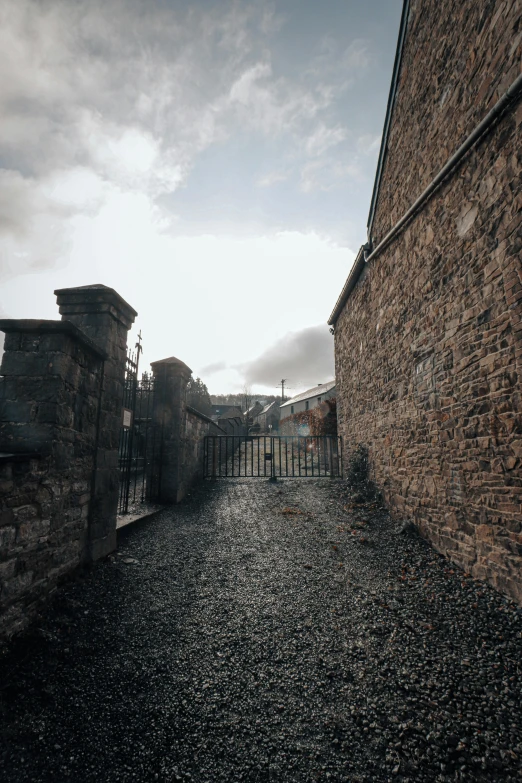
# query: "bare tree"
{"points": [[247, 396]]}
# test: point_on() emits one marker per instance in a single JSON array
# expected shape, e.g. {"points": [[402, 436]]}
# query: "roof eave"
{"points": [[350, 284], [359, 263]]}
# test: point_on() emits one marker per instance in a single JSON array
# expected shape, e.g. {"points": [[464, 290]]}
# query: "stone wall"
{"points": [[49, 397], [429, 344], [457, 61], [56, 394], [195, 427], [183, 430], [231, 426]]}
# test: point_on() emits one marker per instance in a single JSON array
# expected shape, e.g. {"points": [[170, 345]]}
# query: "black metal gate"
{"points": [[140, 438], [311, 456]]}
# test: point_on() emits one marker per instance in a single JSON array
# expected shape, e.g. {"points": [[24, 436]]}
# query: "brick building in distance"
{"points": [[428, 327]]}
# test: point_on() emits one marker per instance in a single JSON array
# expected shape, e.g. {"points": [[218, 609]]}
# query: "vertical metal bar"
{"points": [[220, 457], [312, 452], [226, 456], [252, 457], [213, 456], [299, 454], [145, 435], [331, 459], [280, 460]]}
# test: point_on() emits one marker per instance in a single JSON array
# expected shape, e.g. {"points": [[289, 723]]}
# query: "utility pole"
{"points": [[283, 381]]}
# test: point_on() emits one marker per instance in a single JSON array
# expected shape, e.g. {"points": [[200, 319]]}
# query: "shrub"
{"points": [[358, 473]]}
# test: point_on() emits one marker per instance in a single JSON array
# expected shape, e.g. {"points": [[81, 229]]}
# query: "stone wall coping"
{"points": [[171, 361], [42, 326], [95, 294], [200, 415], [20, 457]]}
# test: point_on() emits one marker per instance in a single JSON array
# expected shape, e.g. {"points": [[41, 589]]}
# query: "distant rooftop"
{"points": [[268, 406], [321, 388]]}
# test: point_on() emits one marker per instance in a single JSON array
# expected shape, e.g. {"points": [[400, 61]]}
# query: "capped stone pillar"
{"points": [[102, 315], [171, 377]]}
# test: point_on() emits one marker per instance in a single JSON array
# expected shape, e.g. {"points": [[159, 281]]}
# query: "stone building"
{"points": [[428, 327], [268, 418]]}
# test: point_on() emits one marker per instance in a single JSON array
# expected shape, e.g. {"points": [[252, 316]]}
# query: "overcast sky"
{"points": [[212, 161]]}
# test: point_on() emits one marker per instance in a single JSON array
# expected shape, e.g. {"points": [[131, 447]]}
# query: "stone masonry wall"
{"points": [[49, 393], [195, 427], [429, 344], [429, 362], [458, 59]]}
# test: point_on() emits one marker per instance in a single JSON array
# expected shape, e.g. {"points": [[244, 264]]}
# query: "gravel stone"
{"points": [[229, 640]]}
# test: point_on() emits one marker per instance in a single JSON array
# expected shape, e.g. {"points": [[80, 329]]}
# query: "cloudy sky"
{"points": [[212, 161]]}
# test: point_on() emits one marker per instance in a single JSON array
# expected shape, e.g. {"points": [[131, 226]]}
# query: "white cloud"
{"points": [[305, 358], [272, 178], [368, 144], [323, 138], [105, 97], [328, 174]]}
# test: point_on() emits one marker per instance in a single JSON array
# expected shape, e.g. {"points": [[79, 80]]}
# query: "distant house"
{"points": [[224, 412], [308, 399], [253, 411], [268, 419]]}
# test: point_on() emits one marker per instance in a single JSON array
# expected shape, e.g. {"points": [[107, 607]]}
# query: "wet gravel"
{"points": [[267, 632]]}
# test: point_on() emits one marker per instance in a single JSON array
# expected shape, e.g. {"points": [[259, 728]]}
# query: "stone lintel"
{"points": [[40, 326], [95, 299]]}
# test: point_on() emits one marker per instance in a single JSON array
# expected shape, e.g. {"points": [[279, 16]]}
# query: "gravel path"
{"points": [[267, 632]]}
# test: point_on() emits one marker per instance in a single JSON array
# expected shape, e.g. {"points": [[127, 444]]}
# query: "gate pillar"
{"points": [[171, 377], [105, 317]]}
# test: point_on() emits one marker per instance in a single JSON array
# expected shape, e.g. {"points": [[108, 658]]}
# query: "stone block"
{"points": [[34, 528], [59, 414], [7, 537], [63, 455], [7, 571], [16, 411], [31, 437], [17, 585], [16, 363]]}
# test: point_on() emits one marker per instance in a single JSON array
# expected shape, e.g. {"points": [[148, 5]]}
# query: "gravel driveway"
{"points": [[267, 632]]}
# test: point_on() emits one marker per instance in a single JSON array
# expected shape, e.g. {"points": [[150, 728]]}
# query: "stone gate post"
{"points": [[170, 383], [102, 314]]}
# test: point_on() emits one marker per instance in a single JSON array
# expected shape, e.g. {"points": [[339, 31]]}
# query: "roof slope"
{"points": [[314, 392], [268, 406]]}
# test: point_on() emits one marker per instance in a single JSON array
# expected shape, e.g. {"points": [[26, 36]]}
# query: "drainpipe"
{"points": [[367, 253], [513, 93]]}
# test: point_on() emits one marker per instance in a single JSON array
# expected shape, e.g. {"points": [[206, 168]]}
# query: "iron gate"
{"points": [[140, 438], [311, 456]]}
